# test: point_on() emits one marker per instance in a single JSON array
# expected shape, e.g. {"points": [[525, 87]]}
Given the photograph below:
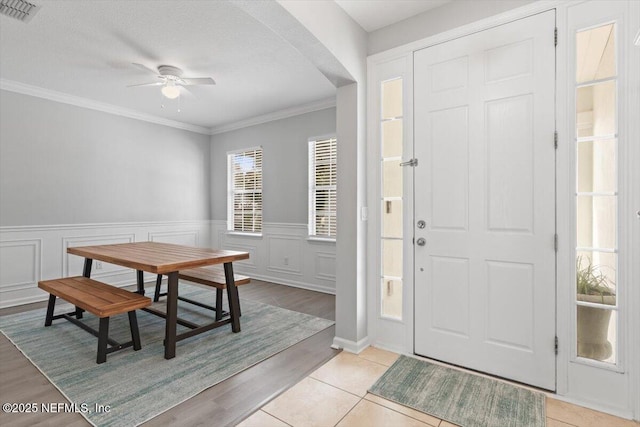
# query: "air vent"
{"points": [[18, 9]]}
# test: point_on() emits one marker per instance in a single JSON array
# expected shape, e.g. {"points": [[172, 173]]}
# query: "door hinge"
{"points": [[412, 163], [555, 242], [555, 343], [555, 139], [555, 36]]}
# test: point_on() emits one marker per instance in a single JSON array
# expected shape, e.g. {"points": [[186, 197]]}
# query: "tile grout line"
{"points": [[406, 415], [373, 361], [375, 403], [349, 411], [337, 388], [562, 421], [271, 415]]}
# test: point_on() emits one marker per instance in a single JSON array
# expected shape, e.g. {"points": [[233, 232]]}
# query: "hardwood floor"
{"points": [[224, 404]]}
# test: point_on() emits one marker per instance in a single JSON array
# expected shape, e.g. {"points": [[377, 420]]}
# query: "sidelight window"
{"points": [[596, 195], [391, 244]]}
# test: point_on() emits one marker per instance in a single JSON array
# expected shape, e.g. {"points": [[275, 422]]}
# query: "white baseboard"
{"points": [[350, 346], [287, 282], [593, 405]]}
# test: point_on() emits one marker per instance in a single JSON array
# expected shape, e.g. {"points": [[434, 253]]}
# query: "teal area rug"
{"points": [[459, 397], [139, 385]]}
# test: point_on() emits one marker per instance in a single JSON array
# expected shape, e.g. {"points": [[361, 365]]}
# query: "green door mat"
{"points": [[459, 397]]}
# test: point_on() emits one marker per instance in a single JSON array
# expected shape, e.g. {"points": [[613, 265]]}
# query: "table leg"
{"points": [[140, 282], [86, 272], [232, 294], [172, 316]]}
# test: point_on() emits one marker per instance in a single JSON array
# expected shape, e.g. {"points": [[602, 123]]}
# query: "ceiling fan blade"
{"points": [[147, 84], [197, 81], [144, 68]]}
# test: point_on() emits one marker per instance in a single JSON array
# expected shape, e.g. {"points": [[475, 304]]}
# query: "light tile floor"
{"points": [[336, 395]]}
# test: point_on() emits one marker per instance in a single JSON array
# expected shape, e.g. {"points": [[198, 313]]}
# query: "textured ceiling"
{"points": [[85, 48]]}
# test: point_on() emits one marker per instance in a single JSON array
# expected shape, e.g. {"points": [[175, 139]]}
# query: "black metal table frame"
{"points": [[171, 316]]}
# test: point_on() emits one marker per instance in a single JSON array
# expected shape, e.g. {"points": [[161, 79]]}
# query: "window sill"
{"points": [[244, 234], [321, 239]]}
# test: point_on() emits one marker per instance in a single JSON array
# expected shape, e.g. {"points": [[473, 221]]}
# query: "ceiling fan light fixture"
{"points": [[170, 90]]}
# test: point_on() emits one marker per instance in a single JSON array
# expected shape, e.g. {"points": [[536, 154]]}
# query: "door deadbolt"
{"points": [[421, 224], [421, 241]]}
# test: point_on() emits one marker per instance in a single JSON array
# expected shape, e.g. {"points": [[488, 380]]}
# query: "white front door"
{"points": [[485, 188]]}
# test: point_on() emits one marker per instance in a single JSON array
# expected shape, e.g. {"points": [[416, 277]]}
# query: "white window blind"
{"points": [[322, 187], [244, 204]]}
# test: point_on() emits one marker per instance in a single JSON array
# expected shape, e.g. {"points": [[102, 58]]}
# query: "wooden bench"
{"points": [[209, 276], [100, 299]]}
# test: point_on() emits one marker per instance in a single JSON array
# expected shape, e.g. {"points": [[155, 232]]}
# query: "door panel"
{"points": [[485, 185], [449, 163], [509, 166]]}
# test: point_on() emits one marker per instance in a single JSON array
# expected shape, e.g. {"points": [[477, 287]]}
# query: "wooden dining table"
{"points": [[168, 259]]}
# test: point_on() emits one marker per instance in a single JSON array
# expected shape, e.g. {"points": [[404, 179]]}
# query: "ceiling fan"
{"points": [[171, 79]]}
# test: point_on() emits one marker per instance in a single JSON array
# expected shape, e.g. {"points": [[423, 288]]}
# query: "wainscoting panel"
{"points": [[285, 254], [325, 266], [32, 253], [282, 254], [25, 258]]}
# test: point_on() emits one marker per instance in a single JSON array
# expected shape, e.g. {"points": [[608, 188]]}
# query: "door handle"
{"points": [[421, 241], [412, 163]]}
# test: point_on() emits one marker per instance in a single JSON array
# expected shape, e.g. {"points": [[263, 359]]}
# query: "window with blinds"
{"points": [[244, 204], [322, 187]]}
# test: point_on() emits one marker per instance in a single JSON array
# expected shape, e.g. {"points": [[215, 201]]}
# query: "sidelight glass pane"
{"points": [[392, 298], [596, 109], [392, 258], [596, 277], [391, 179], [392, 99], [596, 222], [595, 54], [392, 138], [597, 333], [597, 166], [392, 218]]}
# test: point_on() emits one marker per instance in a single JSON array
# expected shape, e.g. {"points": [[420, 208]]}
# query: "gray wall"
{"points": [[61, 164], [438, 20], [285, 163]]}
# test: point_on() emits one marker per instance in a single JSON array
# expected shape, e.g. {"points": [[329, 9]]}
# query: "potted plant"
{"points": [[593, 323]]}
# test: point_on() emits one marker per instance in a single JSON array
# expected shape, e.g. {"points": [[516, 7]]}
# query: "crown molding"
{"points": [[39, 92], [276, 115], [52, 95]]}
